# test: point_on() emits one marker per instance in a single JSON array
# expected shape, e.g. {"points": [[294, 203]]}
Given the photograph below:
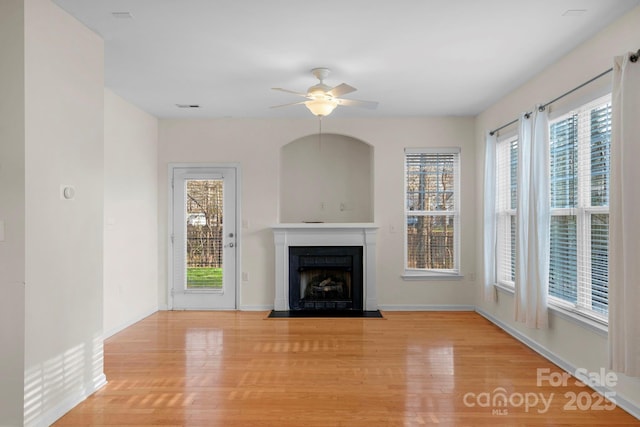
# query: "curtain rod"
{"points": [[632, 57]]}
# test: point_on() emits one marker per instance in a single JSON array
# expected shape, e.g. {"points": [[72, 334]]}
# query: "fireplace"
{"points": [[361, 282], [325, 278]]}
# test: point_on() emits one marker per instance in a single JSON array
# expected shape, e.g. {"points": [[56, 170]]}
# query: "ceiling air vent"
{"points": [[187, 106], [122, 15], [575, 12]]}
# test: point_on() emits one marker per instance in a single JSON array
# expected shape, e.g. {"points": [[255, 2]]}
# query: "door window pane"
{"points": [[204, 209]]}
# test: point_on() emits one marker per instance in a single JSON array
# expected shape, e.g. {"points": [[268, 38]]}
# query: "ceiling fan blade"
{"points": [[289, 91], [287, 105], [341, 89], [372, 105]]}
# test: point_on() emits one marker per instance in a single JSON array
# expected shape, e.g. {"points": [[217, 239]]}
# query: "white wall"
{"points": [[130, 214], [326, 178], [567, 340], [64, 108], [12, 252], [256, 144]]}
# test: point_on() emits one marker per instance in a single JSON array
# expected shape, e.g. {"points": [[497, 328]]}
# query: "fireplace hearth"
{"points": [[325, 278]]}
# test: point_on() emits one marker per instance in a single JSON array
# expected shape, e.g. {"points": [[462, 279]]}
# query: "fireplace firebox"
{"points": [[325, 278]]}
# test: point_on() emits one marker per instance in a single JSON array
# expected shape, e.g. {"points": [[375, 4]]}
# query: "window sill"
{"points": [[568, 313], [430, 275], [507, 289]]}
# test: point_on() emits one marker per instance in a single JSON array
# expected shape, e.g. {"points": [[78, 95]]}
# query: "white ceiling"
{"points": [[416, 57]]}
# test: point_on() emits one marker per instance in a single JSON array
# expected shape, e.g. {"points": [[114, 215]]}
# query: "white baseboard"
{"points": [[52, 415], [621, 401], [242, 308], [426, 307], [136, 319], [256, 307]]}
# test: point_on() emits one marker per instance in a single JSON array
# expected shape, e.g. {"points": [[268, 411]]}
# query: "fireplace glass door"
{"points": [[325, 278]]}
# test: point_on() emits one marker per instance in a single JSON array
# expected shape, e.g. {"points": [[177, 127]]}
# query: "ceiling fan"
{"points": [[323, 99]]}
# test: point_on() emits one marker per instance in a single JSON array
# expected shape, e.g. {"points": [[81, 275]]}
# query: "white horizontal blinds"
{"points": [[599, 161], [513, 202], [431, 208], [563, 136], [579, 157], [563, 258], [506, 173], [599, 264], [600, 152]]}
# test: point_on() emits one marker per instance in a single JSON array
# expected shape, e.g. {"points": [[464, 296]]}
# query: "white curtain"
{"points": [[490, 226], [624, 223], [533, 221]]}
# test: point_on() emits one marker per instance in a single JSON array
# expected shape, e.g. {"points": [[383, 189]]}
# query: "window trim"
{"points": [[414, 274]]}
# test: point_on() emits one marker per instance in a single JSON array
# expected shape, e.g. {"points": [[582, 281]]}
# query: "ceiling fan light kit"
{"points": [[323, 99], [321, 107]]}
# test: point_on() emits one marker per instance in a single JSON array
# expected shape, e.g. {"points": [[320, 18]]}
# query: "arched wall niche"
{"points": [[326, 178]]}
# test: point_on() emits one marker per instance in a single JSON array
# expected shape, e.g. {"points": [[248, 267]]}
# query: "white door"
{"points": [[204, 248]]}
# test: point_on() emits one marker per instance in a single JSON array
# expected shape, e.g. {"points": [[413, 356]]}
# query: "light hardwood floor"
{"points": [[408, 369]]}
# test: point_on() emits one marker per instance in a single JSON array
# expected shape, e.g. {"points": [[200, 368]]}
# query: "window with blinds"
{"points": [[432, 210], [506, 177], [579, 166]]}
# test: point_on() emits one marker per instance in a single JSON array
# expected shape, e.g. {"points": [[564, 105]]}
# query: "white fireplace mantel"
{"points": [[325, 234]]}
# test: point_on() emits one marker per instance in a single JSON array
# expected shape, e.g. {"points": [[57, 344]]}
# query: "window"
{"points": [[432, 186], [579, 157], [506, 177]]}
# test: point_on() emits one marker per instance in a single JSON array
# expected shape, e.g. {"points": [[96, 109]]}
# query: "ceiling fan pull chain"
{"points": [[320, 134]]}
